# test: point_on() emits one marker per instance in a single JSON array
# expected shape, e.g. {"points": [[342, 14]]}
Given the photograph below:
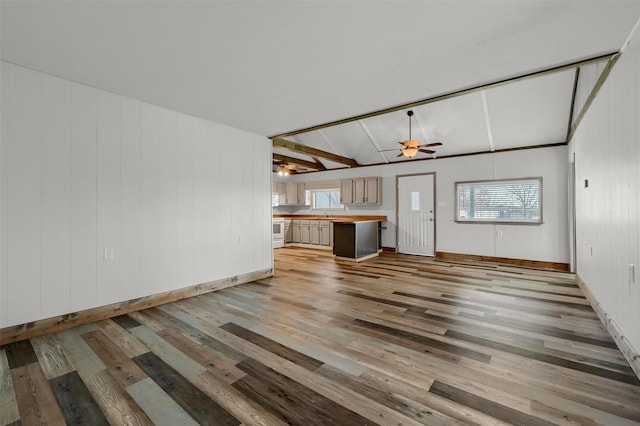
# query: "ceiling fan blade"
{"points": [[427, 151], [400, 155], [430, 144]]}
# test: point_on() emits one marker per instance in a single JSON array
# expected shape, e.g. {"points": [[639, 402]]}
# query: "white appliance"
{"points": [[278, 233]]}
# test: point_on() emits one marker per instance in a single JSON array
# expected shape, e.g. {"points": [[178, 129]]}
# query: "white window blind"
{"points": [[504, 201]]}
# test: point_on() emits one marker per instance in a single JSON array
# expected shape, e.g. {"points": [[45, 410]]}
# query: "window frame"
{"points": [[313, 199], [493, 221]]}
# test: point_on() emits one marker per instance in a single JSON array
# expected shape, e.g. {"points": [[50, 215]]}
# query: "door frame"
{"points": [[435, 210]]}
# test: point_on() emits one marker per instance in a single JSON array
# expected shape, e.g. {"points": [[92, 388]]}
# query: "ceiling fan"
{"points": [[284, 169], [411, 147]]}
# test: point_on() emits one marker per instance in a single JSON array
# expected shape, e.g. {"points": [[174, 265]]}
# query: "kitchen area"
{"points": [[322, 223]]}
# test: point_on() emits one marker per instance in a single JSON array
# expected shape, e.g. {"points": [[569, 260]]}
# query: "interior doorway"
{"points": [[416, 214]]}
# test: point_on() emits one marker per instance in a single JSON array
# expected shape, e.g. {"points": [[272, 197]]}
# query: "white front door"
{"points": [[416, 219]]}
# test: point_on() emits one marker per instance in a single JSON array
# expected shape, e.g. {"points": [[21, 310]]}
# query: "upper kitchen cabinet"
{"points": [[290, 193], [346, 191], [361, 191]]}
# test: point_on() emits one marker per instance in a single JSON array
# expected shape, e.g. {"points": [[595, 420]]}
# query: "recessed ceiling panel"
{"points": [[313, 140], [457, 122], [531, 112], [353, 142]]}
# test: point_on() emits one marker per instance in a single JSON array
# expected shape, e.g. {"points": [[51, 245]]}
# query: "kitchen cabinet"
{"points": [[356, 241], [290, 193], [295, 194], [367, 190], [325, 233], [281, 190], [302, 194], [305, 236], [288, 231], [314, 232], [320, 232], [346, 191], [372, 190], [300, 232], [296, 233]]}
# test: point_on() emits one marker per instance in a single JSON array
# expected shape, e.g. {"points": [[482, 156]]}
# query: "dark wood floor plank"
{"points": [[564, 304], [75, 401], [545, 330], [441, 301], [486, 406], [411, 409], [120, 366], [293, 402], [199, 406], [198, 335], [20, 353], [294, 356], [125, 321], [221, 367], [524, 342], [402, 336], [613, 375]]}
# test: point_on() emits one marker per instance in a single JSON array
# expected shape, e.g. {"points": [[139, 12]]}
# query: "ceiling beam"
{"points": [[313, 152], [303, 163]]}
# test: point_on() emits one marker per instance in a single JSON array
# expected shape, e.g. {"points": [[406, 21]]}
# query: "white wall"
{"points": [[84, 170], [607, 153], [546, 242]]}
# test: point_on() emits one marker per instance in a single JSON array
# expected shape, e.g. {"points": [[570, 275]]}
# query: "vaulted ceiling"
{"points": [[534, 110], [274, 67]]}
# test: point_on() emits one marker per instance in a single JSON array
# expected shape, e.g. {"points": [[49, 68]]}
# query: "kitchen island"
{"points": [[354, 238]]}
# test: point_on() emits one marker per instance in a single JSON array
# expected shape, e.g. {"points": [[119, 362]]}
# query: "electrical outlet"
{"points": [[499, 234], [241, 239], [109, 253]]}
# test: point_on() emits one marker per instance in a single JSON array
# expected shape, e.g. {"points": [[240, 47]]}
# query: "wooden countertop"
{"points": [[333, 218]]}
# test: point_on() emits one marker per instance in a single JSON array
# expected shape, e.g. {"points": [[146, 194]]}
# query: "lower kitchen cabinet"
{"points": [[312, 232], [288, 231], [356, 241], [320, 232], [295, 231], [325, 233]]}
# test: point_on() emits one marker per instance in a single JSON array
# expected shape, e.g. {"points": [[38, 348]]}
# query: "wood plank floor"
{"points": [[396, 340]]}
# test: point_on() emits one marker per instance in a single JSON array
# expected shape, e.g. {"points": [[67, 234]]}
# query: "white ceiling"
{"points": [[272, 67]]}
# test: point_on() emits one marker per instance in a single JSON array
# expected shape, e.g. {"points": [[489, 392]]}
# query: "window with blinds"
{"points": [[503, 201], [326, 200]]}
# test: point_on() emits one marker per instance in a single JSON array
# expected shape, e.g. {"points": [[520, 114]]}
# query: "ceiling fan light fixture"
{"points": [[410, 151]]}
